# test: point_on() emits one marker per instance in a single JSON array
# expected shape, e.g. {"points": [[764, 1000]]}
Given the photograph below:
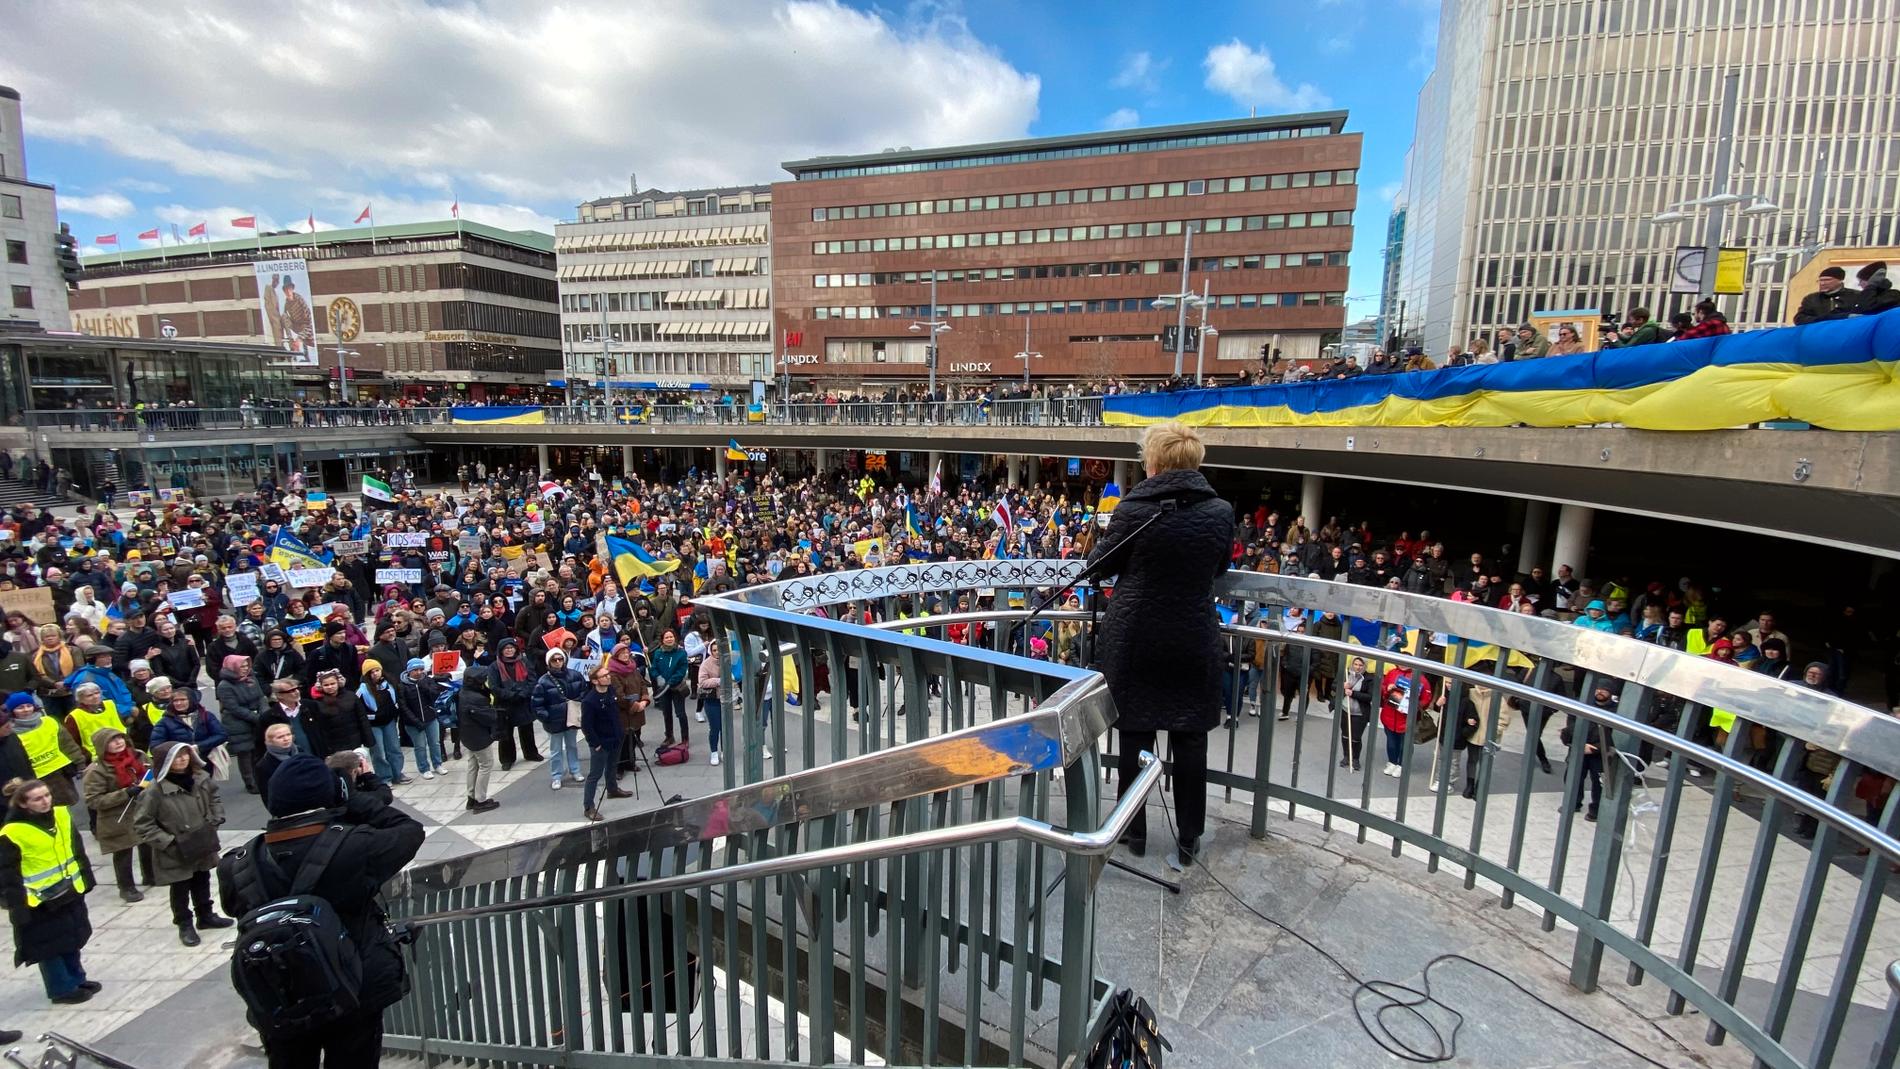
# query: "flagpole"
{"points": [[257, 231], [161, 245], [372, 232]]}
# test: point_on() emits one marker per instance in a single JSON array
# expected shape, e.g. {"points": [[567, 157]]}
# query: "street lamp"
{"points": [[936, 327], [1026, 356], [1200, 343], [1181, 301], [1722, 197]]}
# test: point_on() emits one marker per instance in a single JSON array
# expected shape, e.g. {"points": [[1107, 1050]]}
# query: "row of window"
{"points": [[497, 319], [1231, 224], [732, 267], [1111, 148], [711, 204], [1192, 187], [481, 356], [663, 300], [726, 364], [661, 239], [632, 332], [485, 279], [1103, 305], [1268, 261]]}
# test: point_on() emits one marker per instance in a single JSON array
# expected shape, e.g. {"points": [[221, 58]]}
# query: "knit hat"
{"points": [[300, 784], [17, 699], [332, 628], [157, 683], [556, 652], [1834, 272], [415, 664], [1868, 274], [136, 664]]}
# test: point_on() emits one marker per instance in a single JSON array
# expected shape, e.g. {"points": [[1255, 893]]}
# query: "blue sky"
{"points": [[227, 109]]}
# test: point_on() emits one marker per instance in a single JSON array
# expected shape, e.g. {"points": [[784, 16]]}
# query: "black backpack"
{"points": [[295, 964]]}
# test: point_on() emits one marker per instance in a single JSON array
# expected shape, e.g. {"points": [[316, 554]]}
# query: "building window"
{"points": [[16, 252], [10, 206], [22, 296]]}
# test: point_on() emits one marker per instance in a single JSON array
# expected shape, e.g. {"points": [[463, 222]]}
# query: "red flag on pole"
{"points": [[364, 215], [246, 222], [149, 235], [456, 208], [106, 239], [196, 231], [313, 222]]}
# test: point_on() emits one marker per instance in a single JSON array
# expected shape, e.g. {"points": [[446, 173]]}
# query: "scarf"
{"points": [[282, 753], [622, 666], [27, 721], [126, 767]]}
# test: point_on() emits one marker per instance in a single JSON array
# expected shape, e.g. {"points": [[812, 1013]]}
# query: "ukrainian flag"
{"points": [[631, 561], [734, 451], [867, 546], [287, 551], [1111, 496], [497, 414]]}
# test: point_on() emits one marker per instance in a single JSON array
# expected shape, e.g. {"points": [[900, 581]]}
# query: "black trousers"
{"points": [[356, 1042], [505, 741], [194, 893], [1188, 754]]}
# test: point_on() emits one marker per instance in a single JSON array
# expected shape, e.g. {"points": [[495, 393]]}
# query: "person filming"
{"points": [[1160, 639]]}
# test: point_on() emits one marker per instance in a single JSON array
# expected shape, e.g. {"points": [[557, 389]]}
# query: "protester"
{"points": [[553, 692], [179, 819], [44, 878], [112, 785], [600, 725]]}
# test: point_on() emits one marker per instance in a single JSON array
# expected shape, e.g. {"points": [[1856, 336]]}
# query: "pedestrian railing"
{"points": [[889, 895], [1733, 869]]}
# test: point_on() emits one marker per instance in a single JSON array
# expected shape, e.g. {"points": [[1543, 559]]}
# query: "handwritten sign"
{"points": [[35, 603], [385, 576], [469, 545], [272, 572], [311, 577], [350, 547], [406, 539], [537, 526], [242, 587], [186, 599]]}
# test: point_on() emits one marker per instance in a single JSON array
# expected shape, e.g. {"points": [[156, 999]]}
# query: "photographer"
{"points": [[309, 801]]}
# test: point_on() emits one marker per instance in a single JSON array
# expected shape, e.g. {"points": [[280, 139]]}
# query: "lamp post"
{"points": [[1026, 356], [1181, 300], [936, 327], [1721, 197], [1200, 343]]}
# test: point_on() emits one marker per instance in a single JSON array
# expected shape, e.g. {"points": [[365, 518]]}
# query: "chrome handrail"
{"points": [[1088, 844]]}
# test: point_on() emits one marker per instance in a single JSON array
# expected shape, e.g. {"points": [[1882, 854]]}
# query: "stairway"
{"points": [[13, 494]]}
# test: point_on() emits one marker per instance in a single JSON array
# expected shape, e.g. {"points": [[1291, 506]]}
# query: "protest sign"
{"points": [[310, 577], [273, 572], [469, 545], [537, 526], [305, 632], [186, 599], [385, 576], [139, 499], [316, 500], [35, 603], [242, 587], [350, 547], [406, 539], [444, 662]]}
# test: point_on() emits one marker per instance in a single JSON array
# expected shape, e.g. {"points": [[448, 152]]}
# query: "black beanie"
{"points": [[301, 784]]}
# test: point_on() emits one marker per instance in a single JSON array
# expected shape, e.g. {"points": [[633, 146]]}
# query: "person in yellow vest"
{"points": [[56, 758], [44, 877], [91, 712], [158, 692]]}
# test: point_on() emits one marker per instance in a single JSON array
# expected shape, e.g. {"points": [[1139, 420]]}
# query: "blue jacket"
{"points": [[206, 736], [600, 720], [669, 666], [110, 685], [551, 694]]}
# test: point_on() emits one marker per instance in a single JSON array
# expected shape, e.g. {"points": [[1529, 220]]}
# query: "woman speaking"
{"points": [[1160, 642]]}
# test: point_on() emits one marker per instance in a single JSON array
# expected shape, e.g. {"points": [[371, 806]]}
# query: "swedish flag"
{"points": [[631, 561]]}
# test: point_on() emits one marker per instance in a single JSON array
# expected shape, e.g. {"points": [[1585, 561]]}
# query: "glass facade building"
{"points": [[1551, 131]]}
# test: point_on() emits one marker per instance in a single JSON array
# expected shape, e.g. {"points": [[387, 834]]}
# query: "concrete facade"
{"points": [[32, 290]]}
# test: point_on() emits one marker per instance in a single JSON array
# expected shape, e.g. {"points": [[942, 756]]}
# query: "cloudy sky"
{"points": [[153, 114]]}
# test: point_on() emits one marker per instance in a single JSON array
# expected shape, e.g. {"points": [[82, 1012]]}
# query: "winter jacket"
{"points": [[668, 668], [1160, 644], [334, 723], [109, 802], [600, 720], [551, 694], [241, 701], [201, 728], [343, 658], [273, 665], [512, 689], [415, 700], [1395, 700], [168, 810], [49, 929], [177, 660], [110, 686], [377, 703], [480, 718]]}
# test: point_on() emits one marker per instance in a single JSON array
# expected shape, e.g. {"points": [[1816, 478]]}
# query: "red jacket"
{"points": [[1391, 715]]}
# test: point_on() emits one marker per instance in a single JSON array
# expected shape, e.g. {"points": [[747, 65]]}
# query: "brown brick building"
{"points": [[1076, 236], [424, 307]]}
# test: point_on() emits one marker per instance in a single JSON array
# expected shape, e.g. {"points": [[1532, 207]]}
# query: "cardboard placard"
{"points": [[305, 632], [316, 501], [242, 586], [35, 603], [537, 526], [139, 499], [385, 576], [406, 539], [350, 547], [186, 599], [304, 578], [469, 545]]}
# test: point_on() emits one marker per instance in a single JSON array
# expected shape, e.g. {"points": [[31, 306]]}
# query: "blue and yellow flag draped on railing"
{"points": [[498, 414], [631, 561], [1840, 375]]}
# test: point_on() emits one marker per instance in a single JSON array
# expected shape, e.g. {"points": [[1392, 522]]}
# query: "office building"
{"points": [[679, 282], [1390, 317], [1551, 133], [32, 288], [1074, 237], [449, 308]]}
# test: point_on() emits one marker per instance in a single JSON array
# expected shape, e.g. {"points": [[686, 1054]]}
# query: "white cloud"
{"points": [[102, 205], [509, 103], [1247, 76], [1122, 119], [140, 185], [1141, 72]]}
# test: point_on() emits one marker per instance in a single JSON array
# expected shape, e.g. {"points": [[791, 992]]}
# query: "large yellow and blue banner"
{"points": [[1840, 375], [497, 414]]}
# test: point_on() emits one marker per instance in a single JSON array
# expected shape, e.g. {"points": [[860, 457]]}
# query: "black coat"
{"points": [[1160, 642], [479, 716], [385, 841]]}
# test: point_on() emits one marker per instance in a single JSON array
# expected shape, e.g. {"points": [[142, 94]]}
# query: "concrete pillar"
{"points": [[1012, 469], [541, 457], [719, 462], [1312, 500], [1032, 471], [1530, 548], [936, 461], [1125, 475], [1573, 539], [824, 461], [626, 460]]}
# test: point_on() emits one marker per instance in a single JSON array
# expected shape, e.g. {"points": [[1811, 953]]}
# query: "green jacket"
{"points": [[1649, 333]]}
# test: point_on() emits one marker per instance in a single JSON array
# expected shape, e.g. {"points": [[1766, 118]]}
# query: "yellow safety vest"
{"points": [[42, 748], [917, 631], [89, 723], [154, 713], [45, 859]]}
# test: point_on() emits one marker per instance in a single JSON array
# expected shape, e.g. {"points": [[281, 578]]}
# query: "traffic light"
{"points": [[66, 251]]}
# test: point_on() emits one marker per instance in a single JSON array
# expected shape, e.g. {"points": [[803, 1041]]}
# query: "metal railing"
{"points": [[181, 420], [888, 896], [1647, 878]]}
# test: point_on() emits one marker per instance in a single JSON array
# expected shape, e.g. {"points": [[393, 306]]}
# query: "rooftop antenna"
{"points": [[633, 182]]}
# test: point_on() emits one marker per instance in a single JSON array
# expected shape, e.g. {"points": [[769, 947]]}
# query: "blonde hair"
{"points": [[1171, 446]]}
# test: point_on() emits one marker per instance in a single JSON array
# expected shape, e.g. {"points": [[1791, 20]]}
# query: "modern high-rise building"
{"points": [[1552, 132], [679, 282], [32, 289], [1059, 246], [1390, 319]]}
